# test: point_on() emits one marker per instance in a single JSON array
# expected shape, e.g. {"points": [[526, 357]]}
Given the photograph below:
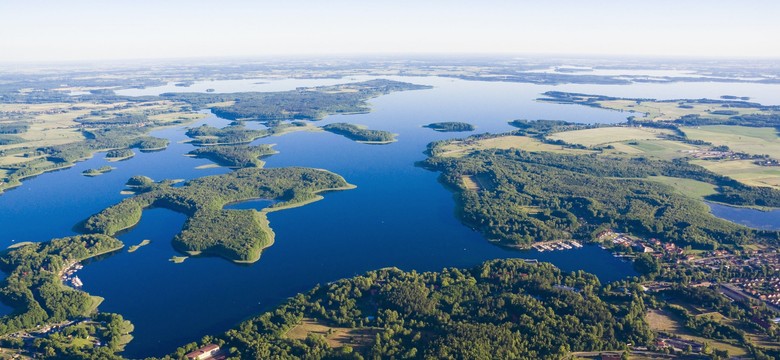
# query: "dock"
{"points": [[557, 245]]}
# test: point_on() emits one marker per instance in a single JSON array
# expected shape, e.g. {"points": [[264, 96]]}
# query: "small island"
{"points": [[119, 154], [133, 248], [178, 259], [450, 126], [96, 172], [151, 143], [235, 156], [229, 135], [360, 133]]}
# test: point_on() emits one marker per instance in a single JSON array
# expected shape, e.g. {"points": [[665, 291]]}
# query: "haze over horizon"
{"points": [[51, 31]]}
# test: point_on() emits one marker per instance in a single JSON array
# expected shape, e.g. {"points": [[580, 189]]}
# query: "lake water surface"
{"points": [[399, 214]]}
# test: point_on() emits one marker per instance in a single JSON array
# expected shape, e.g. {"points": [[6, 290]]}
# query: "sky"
{"points": [[72, 30]]}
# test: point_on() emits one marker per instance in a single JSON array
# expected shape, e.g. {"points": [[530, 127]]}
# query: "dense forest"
{"points": [[229, 135], [505, 309], [358, 133], [527, 197], [450, 126], [237, 235], [34, 288], [119, 153], [235, 156]]}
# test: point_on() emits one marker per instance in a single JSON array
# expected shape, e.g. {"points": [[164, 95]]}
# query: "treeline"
{"points": [[115, 120], [300, 104], [237, 235], [11, 140], [14, 128], [765, 116], [529, 197], [235, 156], [34, 288], [358, 133], [539, 128], [502, 309], [450, 126], [755, 120]]}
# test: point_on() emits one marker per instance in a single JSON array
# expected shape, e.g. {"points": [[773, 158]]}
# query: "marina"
{"points": [[68, 275], [556, 245]]}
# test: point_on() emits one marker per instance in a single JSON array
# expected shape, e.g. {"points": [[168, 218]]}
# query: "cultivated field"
{"points": [[744, 171], [661, 149], [463, 147], [664, 111], [751, 140], [608, 135]]}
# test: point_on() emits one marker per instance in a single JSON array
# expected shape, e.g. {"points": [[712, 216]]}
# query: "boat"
{"points": [[76, 282]]}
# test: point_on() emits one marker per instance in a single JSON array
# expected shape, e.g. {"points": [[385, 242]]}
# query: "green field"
{"points": [[744, 171], [751, 140], [463, 147], [661, 149], [655, 110], [631, 141], [608, 135], [692, 188]]}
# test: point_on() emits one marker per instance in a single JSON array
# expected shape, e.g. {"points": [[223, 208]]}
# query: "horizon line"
{"points": [[393, 56]]}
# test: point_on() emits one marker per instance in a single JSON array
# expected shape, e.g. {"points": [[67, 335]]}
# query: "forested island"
{"points": [[451, 126], [301, 104], [235, 156], [237, 235], [360, 134], [229, 135], [97, 172], [119, 154]]}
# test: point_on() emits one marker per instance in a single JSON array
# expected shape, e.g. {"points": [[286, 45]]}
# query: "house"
{"points": [[642, 248], [206, 352]]}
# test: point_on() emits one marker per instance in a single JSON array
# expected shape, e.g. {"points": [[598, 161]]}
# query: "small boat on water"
{"points": [[76, 282]]}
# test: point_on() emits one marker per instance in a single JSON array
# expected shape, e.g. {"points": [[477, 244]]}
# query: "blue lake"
{"points": [[399, 214], [757, 219]]}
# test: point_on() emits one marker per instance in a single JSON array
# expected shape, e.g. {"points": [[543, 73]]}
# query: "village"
{"points": [[762, 287]]}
